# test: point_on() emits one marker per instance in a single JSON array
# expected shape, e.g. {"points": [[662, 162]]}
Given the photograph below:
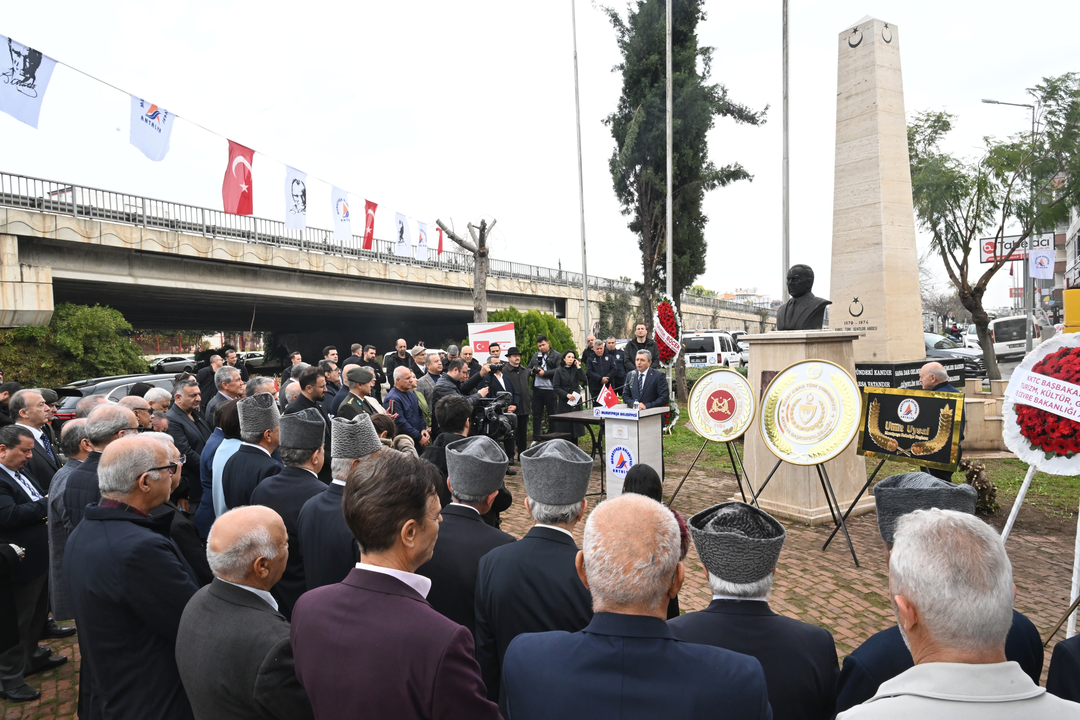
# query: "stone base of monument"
{"points": [[794, 492]]}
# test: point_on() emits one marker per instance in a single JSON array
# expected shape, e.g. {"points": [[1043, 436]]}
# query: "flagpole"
{"points": [[581, 177], [785, 255], [670, 223]]}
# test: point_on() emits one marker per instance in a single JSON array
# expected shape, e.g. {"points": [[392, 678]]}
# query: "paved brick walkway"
{"points": [[821, 588]]}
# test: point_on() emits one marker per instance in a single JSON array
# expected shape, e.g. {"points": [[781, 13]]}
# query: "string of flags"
{"points": [[25, 79]]}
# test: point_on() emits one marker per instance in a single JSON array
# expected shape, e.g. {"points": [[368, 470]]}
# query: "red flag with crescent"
{"points": [[236, 187], [608, 397], [369, 224], [440, 239]]}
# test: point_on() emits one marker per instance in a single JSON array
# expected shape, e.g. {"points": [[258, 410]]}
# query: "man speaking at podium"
{"points": [[645, 387]]}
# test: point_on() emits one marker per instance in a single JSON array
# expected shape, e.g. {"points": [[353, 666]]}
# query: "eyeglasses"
{"points": [[171, 467]]}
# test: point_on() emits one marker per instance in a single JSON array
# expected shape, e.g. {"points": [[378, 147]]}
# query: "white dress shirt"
{"points": [[254, 445], [265, 596], [419, 583], [556, 527]]}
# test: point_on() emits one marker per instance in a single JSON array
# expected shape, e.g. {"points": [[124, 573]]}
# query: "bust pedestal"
{"points": [[795, 493]]}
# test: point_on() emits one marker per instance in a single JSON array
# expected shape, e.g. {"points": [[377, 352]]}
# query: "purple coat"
{"points": [[371, 646]]}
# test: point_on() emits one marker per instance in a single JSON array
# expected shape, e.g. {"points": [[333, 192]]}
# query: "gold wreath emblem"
{"points": [[944, 428], [848, 402], [874, 425], [778, 440], [733, 423]]}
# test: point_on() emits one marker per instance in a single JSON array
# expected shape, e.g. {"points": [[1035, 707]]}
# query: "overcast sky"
{"points": [[466, 110]]}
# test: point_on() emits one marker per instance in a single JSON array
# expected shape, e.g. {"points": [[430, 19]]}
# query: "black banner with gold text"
{"points": [[913, 426]]}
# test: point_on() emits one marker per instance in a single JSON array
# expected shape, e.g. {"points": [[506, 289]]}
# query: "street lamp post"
{"points": [[1029, 284]]}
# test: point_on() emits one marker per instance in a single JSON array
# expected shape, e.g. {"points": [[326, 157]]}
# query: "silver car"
{"points": [[252, 359], [173, 364]]}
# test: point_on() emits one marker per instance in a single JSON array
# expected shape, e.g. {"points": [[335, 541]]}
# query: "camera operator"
{"points": [[519, 375], [543, 366], [455, 381], [499, 381], [453, 414]]}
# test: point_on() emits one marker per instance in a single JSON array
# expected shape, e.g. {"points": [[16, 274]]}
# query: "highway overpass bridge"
{"points": [[167, 265]]}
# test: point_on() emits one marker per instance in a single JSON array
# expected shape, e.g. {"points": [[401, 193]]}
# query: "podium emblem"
{"points": [[721, 405], [810, 412]]}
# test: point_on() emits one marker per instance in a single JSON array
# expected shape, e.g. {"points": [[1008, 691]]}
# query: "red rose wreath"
{"points": [[667, 331], [1052, 434]]}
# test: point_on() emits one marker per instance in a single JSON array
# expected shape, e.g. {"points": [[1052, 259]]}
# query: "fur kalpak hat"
{"points": [[353, 437], [556, 472], [737, 542], [258, 413], [475, 466], [901, 494], [303, 430]]}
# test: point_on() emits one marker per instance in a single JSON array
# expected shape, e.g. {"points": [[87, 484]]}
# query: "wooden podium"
{"points": [[631, 437]]}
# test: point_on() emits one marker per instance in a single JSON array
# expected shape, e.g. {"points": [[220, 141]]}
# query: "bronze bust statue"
{"points": [[804, 311]]}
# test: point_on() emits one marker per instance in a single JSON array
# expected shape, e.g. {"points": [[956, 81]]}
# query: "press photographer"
{"points": [[542, 367], [500, 382]]}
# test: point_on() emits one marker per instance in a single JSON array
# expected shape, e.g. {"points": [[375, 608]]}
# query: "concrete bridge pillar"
{"points": [[26, 296]]}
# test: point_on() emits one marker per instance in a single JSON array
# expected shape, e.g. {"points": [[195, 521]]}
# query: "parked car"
{"points": [[744, 352], [939, 347], [710, 348], [252, 359], [173, 364], [738, 335], [1009, 335], [113, 388]]}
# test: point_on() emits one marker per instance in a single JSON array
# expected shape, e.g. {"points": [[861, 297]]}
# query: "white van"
{"points": [[710, 348], [1008, 334]]}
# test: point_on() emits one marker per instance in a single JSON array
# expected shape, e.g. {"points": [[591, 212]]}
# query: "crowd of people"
{"points": [[325, 549]]}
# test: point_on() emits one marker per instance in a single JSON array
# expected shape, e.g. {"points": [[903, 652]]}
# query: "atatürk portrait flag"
{"points": [[236, 188]]}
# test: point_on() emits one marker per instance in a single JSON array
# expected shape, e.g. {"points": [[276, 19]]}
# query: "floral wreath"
{"points": [[667, 331], [1037, 436]]}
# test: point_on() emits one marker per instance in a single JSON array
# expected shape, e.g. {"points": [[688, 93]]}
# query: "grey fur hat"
{"points": [[898, 495], [258, 413], [353, 437], [737, 542], [475, 466], [556, 472], [303, 430]]}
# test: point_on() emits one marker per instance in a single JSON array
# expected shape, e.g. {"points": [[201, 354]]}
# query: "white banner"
{"points": [[1041, 263], [401, 239], [421, 242], [481, 335], [342, 219], [295, 199], [24, 78], [1059, 397], [151, 128]]}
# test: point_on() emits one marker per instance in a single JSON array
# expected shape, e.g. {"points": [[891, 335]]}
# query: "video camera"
{"points": [[490, 417]]}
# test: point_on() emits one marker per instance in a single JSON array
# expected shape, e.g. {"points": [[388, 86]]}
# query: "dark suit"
{"points": [[129, 584], [629, 667], [464, 538], [243, 472], [82, 489], [235, 658], [286, 493], [528, 586], [207, 388], [190, 436], [884, 656], [397, 658], [655, 393], [436, 455], [186, 536], [1064, 677], [799, 660], [330, 549], [22, 521], [41, 466], [302, 403]]}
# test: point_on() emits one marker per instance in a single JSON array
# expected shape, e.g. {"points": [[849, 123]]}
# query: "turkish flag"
{"points": [[236, 187], [440, 239], [369, 224], [608, 397]]}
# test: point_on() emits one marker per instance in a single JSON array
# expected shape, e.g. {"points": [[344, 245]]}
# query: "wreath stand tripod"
{"points": [[830, 500], [733, 453]]}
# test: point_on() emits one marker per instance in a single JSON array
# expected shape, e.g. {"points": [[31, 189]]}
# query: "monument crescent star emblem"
{"points": [[855, 305], [857, 43]]}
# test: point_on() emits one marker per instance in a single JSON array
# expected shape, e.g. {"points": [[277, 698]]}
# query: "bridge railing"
{"points": [[80, 201]]}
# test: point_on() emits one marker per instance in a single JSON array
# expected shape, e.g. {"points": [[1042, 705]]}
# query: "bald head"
{"points": [[933, 374], [140, 407], [248, 546], [630, 556]]}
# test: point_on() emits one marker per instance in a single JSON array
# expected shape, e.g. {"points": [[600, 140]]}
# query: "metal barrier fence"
{"points": [[85, 202]]}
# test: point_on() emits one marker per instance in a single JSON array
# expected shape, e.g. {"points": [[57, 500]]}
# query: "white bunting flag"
{"points": [[421, 243], [151, 127], [295, 199], [401, 239], [1041, 263], [24, 77], [342, 220]]}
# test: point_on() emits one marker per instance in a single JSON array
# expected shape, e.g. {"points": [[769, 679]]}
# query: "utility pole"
{"points": [[581, 178], [785, 255], [670, 221]]}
